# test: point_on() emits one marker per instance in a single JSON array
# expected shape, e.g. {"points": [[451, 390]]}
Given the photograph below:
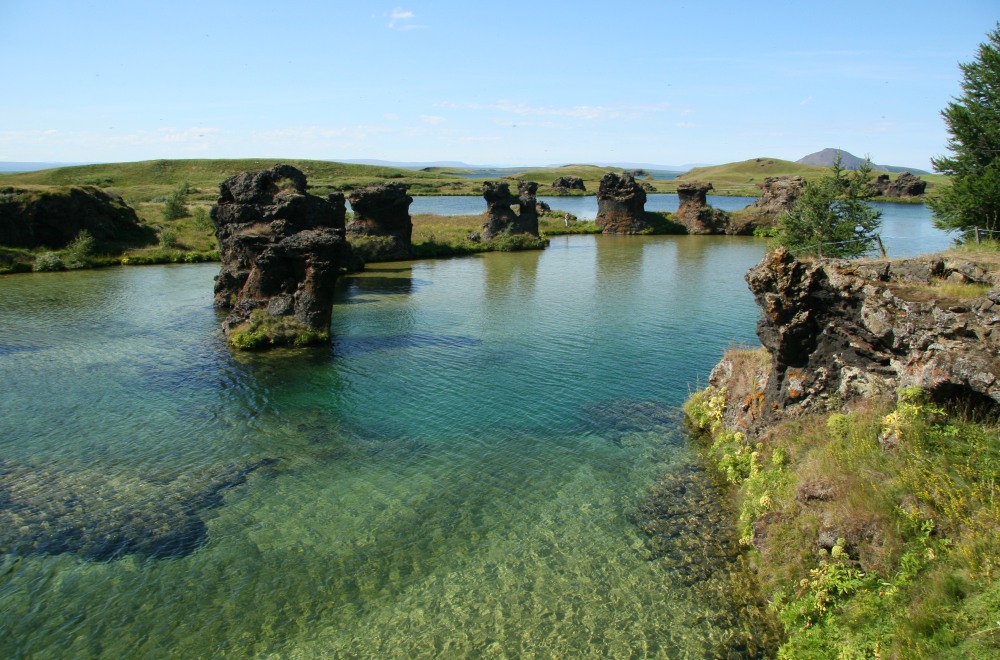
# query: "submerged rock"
{"points": [[381, 211], [282, 250], [621, 205], [500, 218], [621, 416], [102, 516]]}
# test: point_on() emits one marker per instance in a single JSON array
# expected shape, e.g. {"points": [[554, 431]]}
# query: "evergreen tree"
{"points": [[973, 119], [832, 218]]}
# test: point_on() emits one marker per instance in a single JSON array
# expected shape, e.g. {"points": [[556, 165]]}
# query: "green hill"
{"points": [[741, 178], [145, 180]]}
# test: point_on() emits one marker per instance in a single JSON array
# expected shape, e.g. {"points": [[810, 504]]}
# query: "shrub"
{"points": [[174, 207], [168, 238], [48, 262], [79, 252]]}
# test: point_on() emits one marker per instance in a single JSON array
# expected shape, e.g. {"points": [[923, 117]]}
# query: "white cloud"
{"points": [[806, 100], [399, 19], [432, 119], [584, 112]]}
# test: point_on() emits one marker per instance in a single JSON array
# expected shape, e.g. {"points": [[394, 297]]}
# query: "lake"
{"points": [[906, 228], [459, 474]]}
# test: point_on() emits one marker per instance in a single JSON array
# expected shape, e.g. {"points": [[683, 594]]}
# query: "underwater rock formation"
{"points": [[282, 250], [381, 212], [102, 517], [905, 185], [621, 205], [841, 330], [500, 218], [54, 216], [567, 183], [695, 213]]}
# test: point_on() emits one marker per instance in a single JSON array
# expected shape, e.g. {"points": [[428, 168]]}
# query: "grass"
{"points": [[908, 490]]}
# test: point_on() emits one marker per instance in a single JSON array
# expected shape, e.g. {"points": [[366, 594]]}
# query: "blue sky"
{"points": [[507, 83]]}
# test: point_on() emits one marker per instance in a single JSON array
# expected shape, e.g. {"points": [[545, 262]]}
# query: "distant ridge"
{"points": [[12, 166], [827, 156]]}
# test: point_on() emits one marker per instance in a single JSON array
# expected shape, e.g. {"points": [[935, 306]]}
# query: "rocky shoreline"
{"points": [[860, 445]]}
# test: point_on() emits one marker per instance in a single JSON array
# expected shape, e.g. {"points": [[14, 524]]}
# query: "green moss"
{"points": [[263, 330]]}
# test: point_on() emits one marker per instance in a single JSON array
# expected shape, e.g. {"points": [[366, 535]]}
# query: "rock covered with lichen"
{"points": [[381, 227], [696, 214], [500, 218], [621, 205], [282, 250], [841, 330]]}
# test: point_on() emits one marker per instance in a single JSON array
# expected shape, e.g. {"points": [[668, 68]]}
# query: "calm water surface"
{"points": [[906, 228], [457, 475]]}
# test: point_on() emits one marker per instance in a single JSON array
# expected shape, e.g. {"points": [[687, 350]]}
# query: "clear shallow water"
{"points": [[457, 475]]}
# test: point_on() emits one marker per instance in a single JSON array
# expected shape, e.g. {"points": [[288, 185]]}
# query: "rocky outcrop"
{"points": [[905, 185], [500, 218], [621, 205], [282, 250], [840, 330], [567, 183], [382, 211], [695, 213], [102, 517], [777, 195], [52, 217]]}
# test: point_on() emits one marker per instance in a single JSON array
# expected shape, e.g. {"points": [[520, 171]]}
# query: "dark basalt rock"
{"points": [[621, 205], [567, 183], [383, 211], [500, 218], [905, 185], [101, 517], [777, 195], [695, 213], [282, 249], [53, 217], [841, 330]]}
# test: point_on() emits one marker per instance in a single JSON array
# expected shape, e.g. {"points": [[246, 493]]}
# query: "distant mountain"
{"points": [[827, 156], [12, 166]]}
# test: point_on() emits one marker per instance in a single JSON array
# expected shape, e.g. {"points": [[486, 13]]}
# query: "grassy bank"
{"points": [[875, 531]]}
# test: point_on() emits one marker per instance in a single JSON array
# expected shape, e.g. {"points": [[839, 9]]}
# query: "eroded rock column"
{"points": [[621, 205], [282, 250], [382, 228]]}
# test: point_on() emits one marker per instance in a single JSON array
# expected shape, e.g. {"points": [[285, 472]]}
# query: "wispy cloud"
{"points": [[432, 119], [807, 100], [400, 19], [584, 112]]}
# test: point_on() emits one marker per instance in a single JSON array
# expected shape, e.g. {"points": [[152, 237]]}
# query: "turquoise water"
{"points": [[458, 475]]}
